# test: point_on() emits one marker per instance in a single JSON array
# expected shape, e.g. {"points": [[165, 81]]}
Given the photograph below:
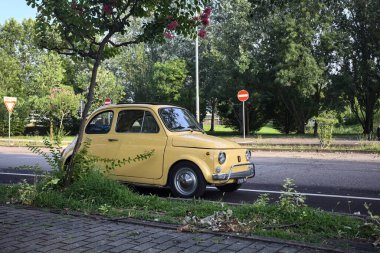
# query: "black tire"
{"points": [[228, 187], [187, 181]]}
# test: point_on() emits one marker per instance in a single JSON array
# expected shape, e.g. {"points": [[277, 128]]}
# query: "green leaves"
{"points": [[84, 27]]}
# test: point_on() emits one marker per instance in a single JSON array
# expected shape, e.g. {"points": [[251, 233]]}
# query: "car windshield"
{"points": [[178, 119]]}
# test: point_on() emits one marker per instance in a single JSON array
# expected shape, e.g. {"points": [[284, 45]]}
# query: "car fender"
{"points": [[200, 157]]}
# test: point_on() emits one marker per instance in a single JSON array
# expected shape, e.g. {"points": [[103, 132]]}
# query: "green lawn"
{"points": [[221, 128], [268, 130]]}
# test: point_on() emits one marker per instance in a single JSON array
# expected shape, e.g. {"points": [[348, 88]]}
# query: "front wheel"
{"points": [[228, 187], [187, 181]]}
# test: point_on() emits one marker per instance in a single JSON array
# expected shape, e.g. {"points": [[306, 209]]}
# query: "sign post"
{"points": [[243, 96], [10, 103]]}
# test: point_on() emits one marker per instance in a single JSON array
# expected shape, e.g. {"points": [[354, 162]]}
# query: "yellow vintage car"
{"points": [[185, 158]]}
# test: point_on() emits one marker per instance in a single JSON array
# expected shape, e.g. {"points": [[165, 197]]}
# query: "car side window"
{"points": [[136, 121], [100, 124], [150, 125]]}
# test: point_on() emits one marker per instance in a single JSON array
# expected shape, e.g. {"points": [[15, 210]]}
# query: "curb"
{"points": [[169, 226], [312, 150]]}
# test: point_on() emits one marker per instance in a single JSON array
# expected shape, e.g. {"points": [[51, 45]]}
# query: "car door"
{"points": [[139, 132], [101, 136]]}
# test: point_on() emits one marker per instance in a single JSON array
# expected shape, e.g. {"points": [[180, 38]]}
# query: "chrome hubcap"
{"points": [[185, 181]]}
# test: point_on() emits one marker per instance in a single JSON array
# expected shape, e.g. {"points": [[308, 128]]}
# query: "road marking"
{"points": [[19, 174], [308, 194]]}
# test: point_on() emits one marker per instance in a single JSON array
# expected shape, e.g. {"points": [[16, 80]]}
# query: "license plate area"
{"points": [[241, 180]]}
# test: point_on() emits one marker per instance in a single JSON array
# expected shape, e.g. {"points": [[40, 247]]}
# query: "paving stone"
{"points": [[123, 248], [236, 246], [194, 249], [216, 247], [52, 247], [144, 246], [74, 245], [288, 250], [166, 245], [30, 230], [120, 242]]}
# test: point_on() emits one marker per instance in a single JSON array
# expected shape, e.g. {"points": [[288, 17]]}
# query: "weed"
{"points": [[26, 193], [104, 209], [374, 223]]}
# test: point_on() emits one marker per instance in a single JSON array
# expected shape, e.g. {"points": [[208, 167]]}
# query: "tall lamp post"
{"points": [[204, 18], [196, 81]]}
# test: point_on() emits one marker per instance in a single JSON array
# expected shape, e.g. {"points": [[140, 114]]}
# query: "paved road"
{"points": [[333, 182], [28, 230]]}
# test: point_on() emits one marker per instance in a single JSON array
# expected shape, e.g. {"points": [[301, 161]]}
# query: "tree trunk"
{"points": [[87, 107], [212, 116], [61, 123], [51, 126], [368, 122], [315, 129], [301, 128]]}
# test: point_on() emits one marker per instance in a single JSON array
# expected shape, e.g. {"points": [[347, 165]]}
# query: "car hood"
{"points": [[203, 141]]}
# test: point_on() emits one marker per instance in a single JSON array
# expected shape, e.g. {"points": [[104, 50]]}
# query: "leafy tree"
{"points": [[48, 74], [168, 80], [107, 86], [358, 75], [63, 102], [88, 28], [292, 34], [54, 106], [17, 52], [233, 63], [133, 67]]}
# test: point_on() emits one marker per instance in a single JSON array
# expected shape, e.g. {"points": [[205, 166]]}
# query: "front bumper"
{"points": [[236, 175]]}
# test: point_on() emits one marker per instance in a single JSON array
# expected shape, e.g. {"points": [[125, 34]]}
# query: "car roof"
{"points": [[140, 104]]}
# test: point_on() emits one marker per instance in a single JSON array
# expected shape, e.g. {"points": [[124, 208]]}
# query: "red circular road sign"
{"points": [[107, 101], [243, 95]]}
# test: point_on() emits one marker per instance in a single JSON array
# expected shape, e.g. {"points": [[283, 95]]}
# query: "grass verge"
{"points": [[97, 194]]}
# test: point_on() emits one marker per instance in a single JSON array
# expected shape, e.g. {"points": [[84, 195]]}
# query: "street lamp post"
{"points": [[204, 19], [196, 81]]}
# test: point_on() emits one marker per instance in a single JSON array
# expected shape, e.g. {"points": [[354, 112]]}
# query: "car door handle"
{"points": [[111, 140]]}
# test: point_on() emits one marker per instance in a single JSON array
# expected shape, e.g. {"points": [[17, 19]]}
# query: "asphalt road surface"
{"points": [[335, 182]]}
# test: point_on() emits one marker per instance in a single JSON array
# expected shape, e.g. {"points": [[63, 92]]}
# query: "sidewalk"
{"points": [[34, 230]]}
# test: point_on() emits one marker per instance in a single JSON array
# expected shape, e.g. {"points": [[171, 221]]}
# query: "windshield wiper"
{"points": [[189, 128], [196, 128]]}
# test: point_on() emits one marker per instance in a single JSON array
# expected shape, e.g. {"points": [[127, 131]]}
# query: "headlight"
{"points": [[248, 154], [222, 157]]}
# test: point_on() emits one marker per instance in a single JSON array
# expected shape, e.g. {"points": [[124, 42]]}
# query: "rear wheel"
{"points": [[187, 181], [229, 187]]}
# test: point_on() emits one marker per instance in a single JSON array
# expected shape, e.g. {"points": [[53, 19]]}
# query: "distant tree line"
{"points": [[298, 59]]}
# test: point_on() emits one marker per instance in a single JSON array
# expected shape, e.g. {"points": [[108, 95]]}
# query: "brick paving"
{"points": [[33, 230]]}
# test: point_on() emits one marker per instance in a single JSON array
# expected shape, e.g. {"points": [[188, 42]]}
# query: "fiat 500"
{"points": [[185, 158]]}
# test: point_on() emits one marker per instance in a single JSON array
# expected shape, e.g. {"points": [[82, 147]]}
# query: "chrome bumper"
{"points": [[236, 175]]}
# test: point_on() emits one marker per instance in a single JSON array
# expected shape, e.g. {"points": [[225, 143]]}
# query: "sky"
{"points": [[17, 9]]}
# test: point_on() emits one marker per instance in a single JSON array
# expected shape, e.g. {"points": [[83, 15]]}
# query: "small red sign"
{"points": [[243, 95], [107, 101]]}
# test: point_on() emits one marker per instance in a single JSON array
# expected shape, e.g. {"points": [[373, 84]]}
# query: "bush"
{"points": [[326, 121]]}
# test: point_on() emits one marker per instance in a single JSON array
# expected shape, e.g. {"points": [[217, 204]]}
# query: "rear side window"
{"points": [[100, 124], [136, 121]]}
